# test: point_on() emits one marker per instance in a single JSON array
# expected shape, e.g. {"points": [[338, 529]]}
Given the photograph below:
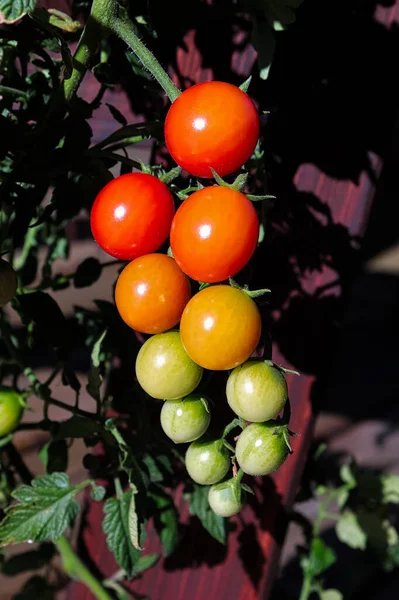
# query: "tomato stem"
{"points": [[234, 423]]}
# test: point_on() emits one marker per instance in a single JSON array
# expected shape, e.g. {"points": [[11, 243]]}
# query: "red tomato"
{"points": [[131, 216], [214, 234], [220, 327], [151, 293], [212, 124]]}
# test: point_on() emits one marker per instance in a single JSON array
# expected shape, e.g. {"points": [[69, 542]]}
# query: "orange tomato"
{"points": [[220, 327], [214, 234], [151, 293], [212, 124]]}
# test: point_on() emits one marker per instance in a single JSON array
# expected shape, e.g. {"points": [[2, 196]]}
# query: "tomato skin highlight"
{"points": [[261, 448], [220, 327], [11, 410], [164, 370], [214, 234], [186, 419], [131, 215], [256, 391], [207, 461], [212, 124], [151, 293]]}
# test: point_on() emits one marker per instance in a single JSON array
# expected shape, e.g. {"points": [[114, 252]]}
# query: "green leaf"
{"points": [[45, 509], [166, 521], [118, 116], [12, 10], [244, 86], [199, 507], [145, 562], [349, 531], [391, 558], [87, 273], [133, 522], [81, 427], [330, 595], [42, 310], [264, 41], [321, 557], [94, 376], [390, 489], [98, 493], [239, 182], [116, 529]]}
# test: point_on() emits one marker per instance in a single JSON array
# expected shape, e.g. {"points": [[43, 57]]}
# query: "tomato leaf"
{"points": [[390, 489], [116, 529], [29, 561], [44, 510], [199, 507], [13, 10], [87, 273], [165, 520], [320, 558], [350, 532], [133, 522], [118, 116], [264, 41], [94, 376], [55, 456]]}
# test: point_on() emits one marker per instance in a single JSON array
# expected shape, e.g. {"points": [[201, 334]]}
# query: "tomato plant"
{"points": [[163, 368], [131, 216], [207, 461], [151, 293], [257, 391], [11, 409], [202, 245], [220, 327], [226, 499], [212, 124], [262, 448], [186, 419]]}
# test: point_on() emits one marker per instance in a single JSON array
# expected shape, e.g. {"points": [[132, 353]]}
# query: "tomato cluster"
{"points": [[213, 235]]}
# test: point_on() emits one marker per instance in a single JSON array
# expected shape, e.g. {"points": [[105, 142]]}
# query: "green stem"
{"points": [[125, 30], [77, 570], [9, 91], [234, 423], [306, 587]]}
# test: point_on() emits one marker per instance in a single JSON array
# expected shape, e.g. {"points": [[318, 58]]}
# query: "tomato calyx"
{"points": [[245, 288], [245, 85], [280, 368], [281, 429]]}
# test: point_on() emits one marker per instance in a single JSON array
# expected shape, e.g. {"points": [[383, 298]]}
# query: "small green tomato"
{"points": [[8, 282], [227, 498], [256, 391], [186, 419], [163, 368], [207, 461], [262, 448], [11, 409]]}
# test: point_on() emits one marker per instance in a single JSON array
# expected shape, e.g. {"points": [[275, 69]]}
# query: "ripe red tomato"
{"points": [[212, 124], [151, 293], [131, 216], [214, 234], [220, 327]]}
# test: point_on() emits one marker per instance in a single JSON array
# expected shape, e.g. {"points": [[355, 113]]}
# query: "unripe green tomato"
{"points": [[223, 500], [11, 409], [186, 419], [261, 448], [256, 391], [8, 282], [207, 461], [164, 369]]}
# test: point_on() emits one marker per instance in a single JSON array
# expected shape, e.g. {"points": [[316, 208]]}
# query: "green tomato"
{"points": [[262, 448], [164, 369], [8, 282], [11, 409], [207, 461], [185, 420], [257, 391], [227, 498]]}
